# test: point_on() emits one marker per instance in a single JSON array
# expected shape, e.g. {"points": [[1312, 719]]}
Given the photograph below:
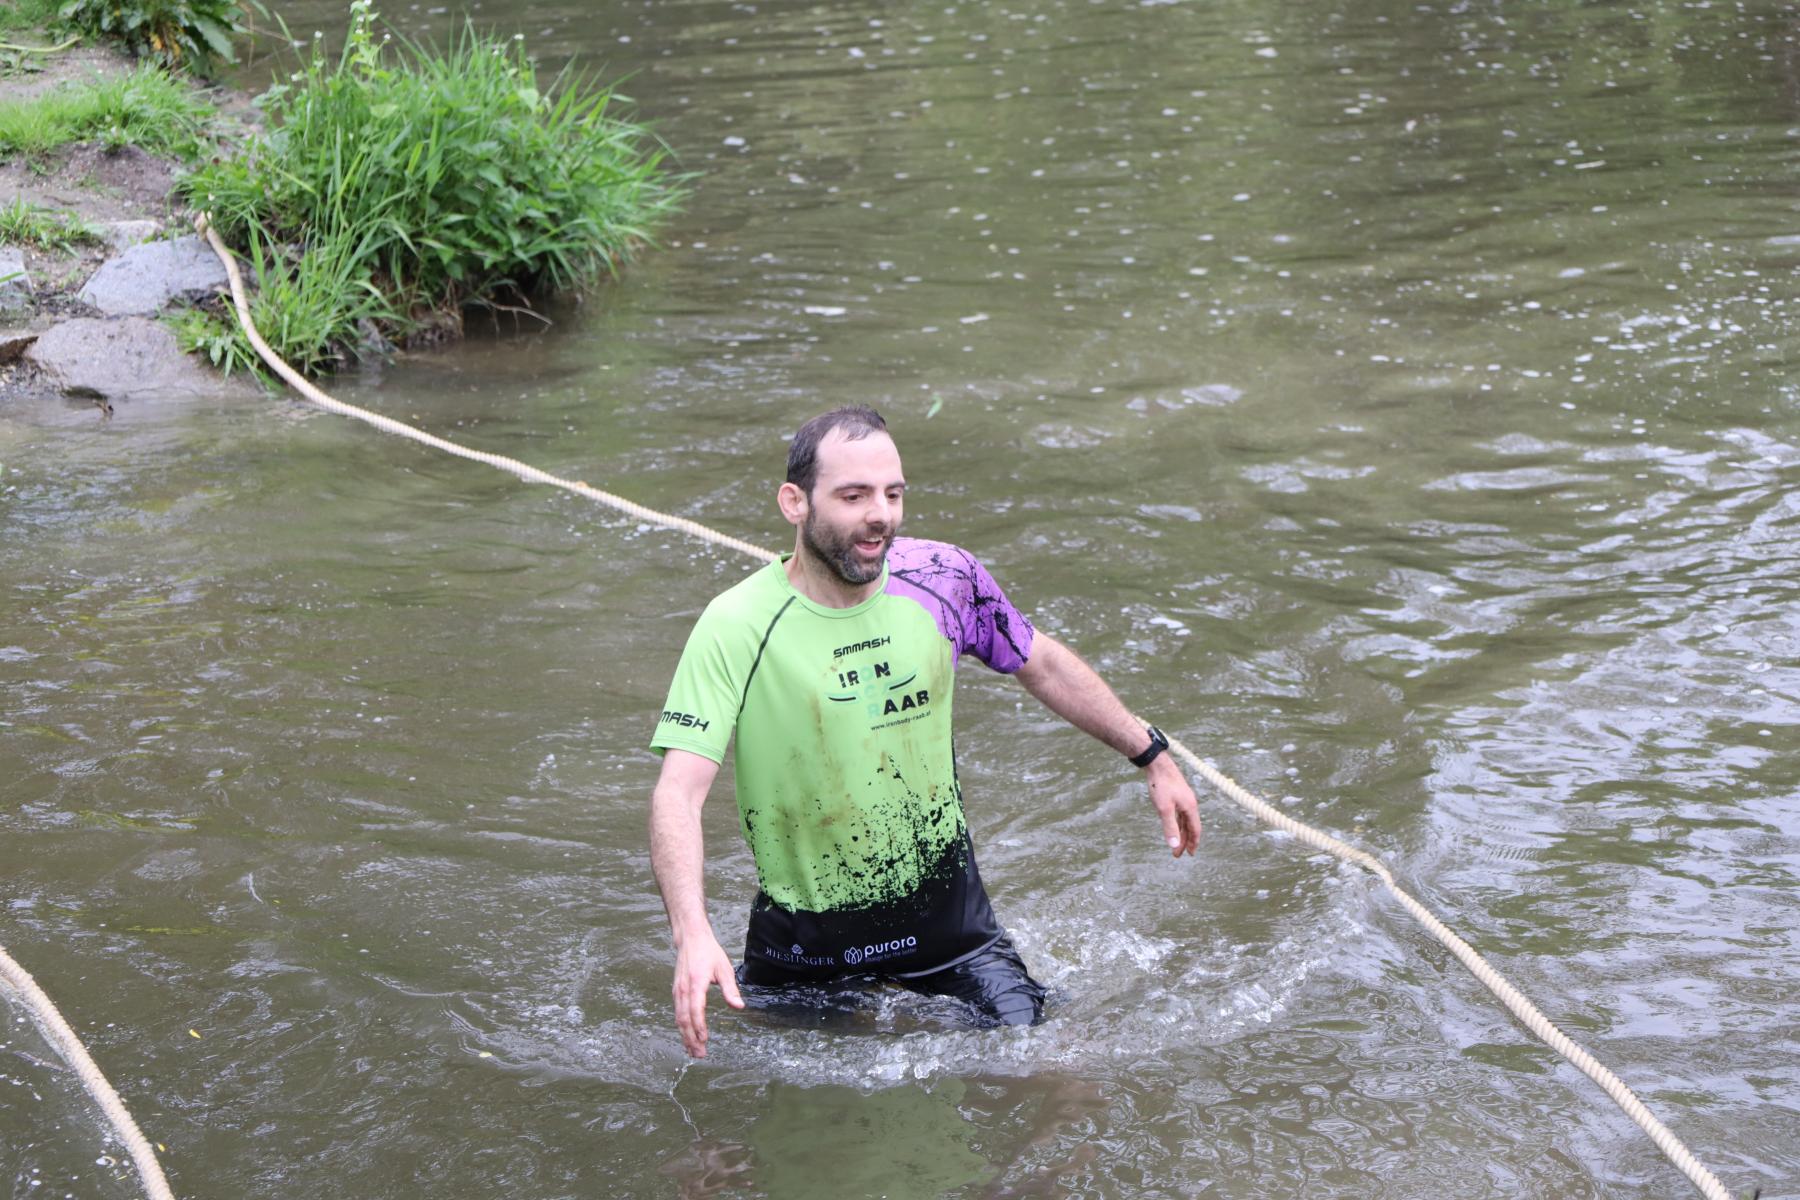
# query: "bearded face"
{"points": [[855, 554]]}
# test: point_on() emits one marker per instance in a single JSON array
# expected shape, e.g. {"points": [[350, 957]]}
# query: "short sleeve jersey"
{"points": [[846, 776]]}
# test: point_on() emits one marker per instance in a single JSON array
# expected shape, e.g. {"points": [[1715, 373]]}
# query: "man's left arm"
{"points": [[1074, 691]]}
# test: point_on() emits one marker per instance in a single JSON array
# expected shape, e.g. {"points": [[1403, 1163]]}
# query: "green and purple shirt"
{"points": [[846, 772]]}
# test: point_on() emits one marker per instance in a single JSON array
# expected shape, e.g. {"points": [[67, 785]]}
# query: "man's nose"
{"points": [[880, 511]]}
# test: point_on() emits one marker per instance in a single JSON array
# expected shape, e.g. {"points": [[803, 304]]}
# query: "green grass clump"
{"points": [[37, 20], [177, 33], [311, 308], [23, 224], [144, 108], [400, 183]]}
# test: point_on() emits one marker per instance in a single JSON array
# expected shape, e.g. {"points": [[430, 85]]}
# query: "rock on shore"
{"points": [[74, 321], [98, 358], [147, 277]]}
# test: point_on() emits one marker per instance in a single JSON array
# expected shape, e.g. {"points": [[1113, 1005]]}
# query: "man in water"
{"points": [[834, 669]]}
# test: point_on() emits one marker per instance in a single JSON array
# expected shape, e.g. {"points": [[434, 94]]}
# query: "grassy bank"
{"points": [[30, 22], [399, 183], [89, 138], [146, 108]]}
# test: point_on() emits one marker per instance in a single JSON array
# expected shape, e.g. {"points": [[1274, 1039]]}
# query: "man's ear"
{"points": [[793, 503]]}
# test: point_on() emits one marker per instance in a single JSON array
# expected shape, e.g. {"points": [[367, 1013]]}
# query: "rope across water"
{"points": [[56, 1030], [1528, 1014], [1516, 1003]]}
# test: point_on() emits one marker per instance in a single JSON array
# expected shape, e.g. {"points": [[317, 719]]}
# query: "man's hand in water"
{"points": [[699, 963], [1175, 805], [676, 856]]}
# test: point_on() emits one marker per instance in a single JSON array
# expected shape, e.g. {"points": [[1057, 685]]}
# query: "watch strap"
{"points": [[1159, 742]]}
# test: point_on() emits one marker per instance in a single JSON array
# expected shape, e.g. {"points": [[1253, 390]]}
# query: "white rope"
{"points": [[525, 471], [57, 1031], [1515, 1002]]}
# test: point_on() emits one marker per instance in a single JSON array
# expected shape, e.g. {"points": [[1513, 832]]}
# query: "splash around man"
{"points": [[834, 669]]}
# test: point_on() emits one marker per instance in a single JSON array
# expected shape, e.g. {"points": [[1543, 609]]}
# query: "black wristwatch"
{"points": [[1158, 743]]}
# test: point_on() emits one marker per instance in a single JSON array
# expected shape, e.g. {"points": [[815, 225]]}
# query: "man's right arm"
{"points": [[677, 856]]}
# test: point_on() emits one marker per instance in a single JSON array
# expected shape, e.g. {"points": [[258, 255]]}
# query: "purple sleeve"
{"points": [[971, 611]]}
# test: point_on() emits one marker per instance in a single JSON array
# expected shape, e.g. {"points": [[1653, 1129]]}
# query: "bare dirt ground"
{"points": [[100, 185], [53, 70]]}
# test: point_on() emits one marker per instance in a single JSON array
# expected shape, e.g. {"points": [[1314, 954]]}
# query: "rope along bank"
{"points": [[1521, 1007]]}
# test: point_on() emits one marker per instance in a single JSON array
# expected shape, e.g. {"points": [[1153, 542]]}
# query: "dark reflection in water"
{"points": [[1395, 400]]}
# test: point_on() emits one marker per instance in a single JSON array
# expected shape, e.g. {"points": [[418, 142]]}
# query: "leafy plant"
{"points": [[432, 179], [142, 108], [23, 224], [216, 335], [193, 33]]}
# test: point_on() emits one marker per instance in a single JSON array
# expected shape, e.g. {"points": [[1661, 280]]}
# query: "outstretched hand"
{"points": [[700, 963], [1176, 805]]}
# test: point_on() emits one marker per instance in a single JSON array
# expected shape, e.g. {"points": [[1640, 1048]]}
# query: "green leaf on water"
{"points": [[937, 403]]}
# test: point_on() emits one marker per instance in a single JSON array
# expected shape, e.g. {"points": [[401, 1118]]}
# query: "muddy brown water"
{"points": [[1398, 401]]}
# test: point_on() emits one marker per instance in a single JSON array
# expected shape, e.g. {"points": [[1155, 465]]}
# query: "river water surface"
{"points": [[1398, 401]]}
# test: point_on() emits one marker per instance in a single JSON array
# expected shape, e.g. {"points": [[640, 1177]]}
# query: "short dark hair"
{"points": [[857, 421]]}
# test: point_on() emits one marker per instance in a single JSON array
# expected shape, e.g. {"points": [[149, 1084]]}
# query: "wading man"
{"points": [[834, 669]]}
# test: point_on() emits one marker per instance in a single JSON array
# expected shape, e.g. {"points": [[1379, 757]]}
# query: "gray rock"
{"points": [[123, 235], [15, 284], [14, 343], [123, 359], [146, 278]]}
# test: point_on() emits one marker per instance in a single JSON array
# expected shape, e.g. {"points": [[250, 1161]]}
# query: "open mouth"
{"points": [[871, 545]]}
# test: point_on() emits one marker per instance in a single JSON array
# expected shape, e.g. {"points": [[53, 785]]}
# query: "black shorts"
{"points": [[994, 982]]}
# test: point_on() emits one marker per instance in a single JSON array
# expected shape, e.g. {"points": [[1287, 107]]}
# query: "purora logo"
{"points": [[879, 950]]}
